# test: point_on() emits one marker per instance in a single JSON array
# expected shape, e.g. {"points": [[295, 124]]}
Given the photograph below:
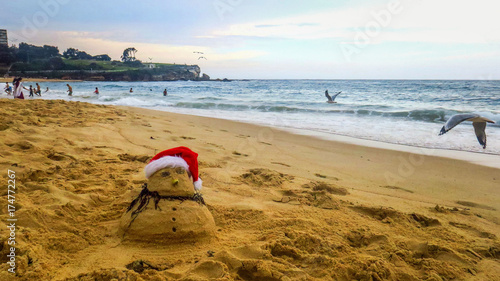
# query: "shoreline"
{"points": [[477, 158]]}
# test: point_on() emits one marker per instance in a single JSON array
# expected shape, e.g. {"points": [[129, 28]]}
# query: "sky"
{"points": [[276, 39]]}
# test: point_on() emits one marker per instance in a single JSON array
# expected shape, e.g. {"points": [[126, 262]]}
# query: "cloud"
{"points": [[443, 21]]}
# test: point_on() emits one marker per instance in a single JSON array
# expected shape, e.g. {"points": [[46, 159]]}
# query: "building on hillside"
{"points": [[3, 37]]}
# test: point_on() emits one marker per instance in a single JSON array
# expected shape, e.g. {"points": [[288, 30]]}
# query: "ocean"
{"points": [[407, 112]]}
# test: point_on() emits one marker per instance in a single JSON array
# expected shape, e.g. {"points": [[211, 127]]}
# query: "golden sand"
{"points": [[9, 80], [286, 207]]}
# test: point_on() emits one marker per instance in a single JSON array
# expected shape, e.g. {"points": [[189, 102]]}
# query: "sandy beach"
{"points": [[286, 206], [9, 80]]}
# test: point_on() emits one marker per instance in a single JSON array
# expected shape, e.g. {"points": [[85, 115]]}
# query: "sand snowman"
{"points": [[169, 209]]}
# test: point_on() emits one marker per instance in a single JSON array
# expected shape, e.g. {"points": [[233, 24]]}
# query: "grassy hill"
{"points": [[98, 65], [61, 68]]}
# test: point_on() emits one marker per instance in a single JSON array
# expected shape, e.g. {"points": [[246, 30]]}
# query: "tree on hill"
{"points": [[50, 51], [129, 54], [102, 58], [136, 63], [28, 52], [70, 53], [75, 54], [7, 54], [81, 55]]}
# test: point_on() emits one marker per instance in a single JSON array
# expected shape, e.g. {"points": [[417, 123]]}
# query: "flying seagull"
{"points": [[331, 99], [198, 53], [478, 122], [202, 58]]}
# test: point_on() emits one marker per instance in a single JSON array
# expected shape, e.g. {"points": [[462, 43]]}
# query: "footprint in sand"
{"points": [[282, 164], [473, 230], [398, 188], [475, 205], [239, 154], [323, 186]]}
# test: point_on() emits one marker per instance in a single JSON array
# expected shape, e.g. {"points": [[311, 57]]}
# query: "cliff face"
{"points": [[175, 72], [161, 73]]}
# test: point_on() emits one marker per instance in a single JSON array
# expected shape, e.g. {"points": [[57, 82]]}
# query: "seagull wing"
{"points": [[479, 128], [328, 96], [334, 96], [455, 120]]}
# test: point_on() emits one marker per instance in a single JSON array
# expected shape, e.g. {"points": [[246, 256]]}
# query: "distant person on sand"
{"points": [[8, 89], [131, 90], [165, 93], [38, 90], [18, 88], [70, 90], [96, 91]]}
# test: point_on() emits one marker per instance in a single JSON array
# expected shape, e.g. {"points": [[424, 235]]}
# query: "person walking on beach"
{"points": [[165, 93], [8, 89], [30, 89], [70, 90], [96, 91], [38, 91], [18, 88]]}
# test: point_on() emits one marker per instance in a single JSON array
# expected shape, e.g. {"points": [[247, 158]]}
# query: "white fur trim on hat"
{"points": [[197, 184], [165, 162]]}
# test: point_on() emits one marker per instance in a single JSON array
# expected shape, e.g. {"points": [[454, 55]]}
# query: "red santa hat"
{"points": [[176, 157]]}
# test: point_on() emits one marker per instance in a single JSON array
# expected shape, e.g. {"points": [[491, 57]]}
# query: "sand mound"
{"points": [[131, 158], [322, 186], [264, 177]]}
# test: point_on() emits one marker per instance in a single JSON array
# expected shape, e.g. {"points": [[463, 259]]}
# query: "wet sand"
{"points": [[286, 206]]}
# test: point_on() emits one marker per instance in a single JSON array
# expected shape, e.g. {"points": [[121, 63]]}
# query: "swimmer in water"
{"points": [[8, 89], [70, 90]]}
